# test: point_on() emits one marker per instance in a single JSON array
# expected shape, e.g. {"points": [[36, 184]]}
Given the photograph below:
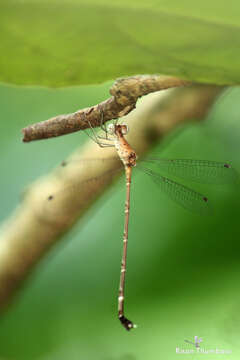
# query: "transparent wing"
{"points": [[187, 198], [201, 171], [69, 195]]}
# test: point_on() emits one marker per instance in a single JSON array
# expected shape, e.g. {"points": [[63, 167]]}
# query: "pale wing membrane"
{"points": [[201, 171], [75, 195], [187, 198]]}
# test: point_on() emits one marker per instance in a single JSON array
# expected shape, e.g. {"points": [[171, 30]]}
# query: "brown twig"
{"points": [[125, 93], [37, 224]]}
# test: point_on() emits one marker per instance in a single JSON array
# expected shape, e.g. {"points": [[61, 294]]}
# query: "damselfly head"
{"points": [[113, 129], [124, 129]]}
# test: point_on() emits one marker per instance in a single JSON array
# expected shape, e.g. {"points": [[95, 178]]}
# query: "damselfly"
{"points": [[202, 171]]}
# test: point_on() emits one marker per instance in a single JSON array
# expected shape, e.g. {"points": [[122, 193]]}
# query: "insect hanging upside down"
{"points": [[201, 171], [128, 156]]}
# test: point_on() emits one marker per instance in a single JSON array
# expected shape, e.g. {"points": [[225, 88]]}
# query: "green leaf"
{"points": [[63, 43]]}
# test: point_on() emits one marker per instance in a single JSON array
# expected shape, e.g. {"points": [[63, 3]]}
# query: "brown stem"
{"points": [[125, 93]]}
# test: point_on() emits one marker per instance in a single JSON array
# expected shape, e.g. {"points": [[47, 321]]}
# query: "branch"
{"points": [[125, 93], [38, 224]]}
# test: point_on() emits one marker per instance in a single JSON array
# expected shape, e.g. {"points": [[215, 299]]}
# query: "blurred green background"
{"points": [[59, 43], [183, 270]]}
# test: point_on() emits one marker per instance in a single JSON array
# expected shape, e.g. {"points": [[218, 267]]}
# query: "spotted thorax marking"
{"points": [[124, 150]]}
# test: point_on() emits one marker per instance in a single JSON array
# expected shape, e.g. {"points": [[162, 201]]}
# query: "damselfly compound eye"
{"points": [[111, 129], [124, 129]]}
